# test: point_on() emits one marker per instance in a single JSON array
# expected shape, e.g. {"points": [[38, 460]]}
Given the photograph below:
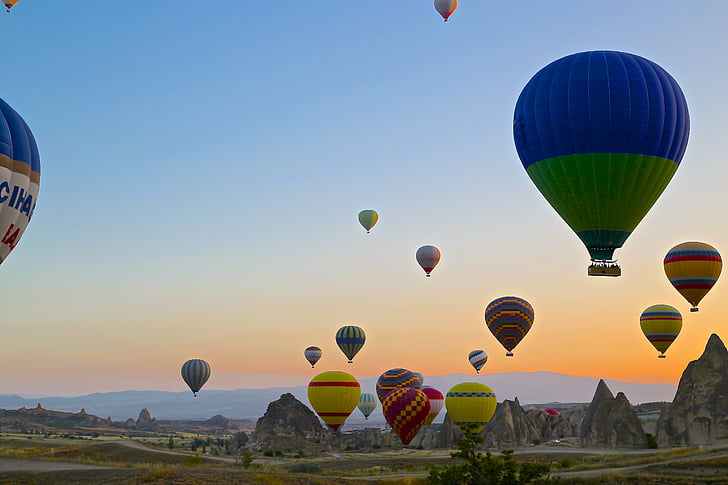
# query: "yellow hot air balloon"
{"points": [[661, 325], [693, 268], [367, 218], [334, 395], [470, 406]]}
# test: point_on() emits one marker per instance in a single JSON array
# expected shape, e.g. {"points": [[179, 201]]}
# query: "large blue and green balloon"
{"points": [[601, 134]]}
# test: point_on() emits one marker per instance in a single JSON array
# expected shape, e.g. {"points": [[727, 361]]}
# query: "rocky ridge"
{"points": [[698, 414]]}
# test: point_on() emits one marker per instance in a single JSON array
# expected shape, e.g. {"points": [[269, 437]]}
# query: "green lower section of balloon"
{"points": [[602, 196]]}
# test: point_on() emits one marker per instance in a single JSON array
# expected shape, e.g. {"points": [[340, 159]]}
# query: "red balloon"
{"points": [[406, 410]]}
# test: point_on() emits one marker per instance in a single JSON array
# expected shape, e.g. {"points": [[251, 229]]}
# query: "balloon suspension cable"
{"points": [[694, 309]]}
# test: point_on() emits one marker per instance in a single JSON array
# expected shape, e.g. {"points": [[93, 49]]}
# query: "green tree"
{"points": [[170, 443], [479, 469]]}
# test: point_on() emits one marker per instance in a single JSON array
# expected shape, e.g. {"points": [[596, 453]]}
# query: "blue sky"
{"points": [[203, 165]]}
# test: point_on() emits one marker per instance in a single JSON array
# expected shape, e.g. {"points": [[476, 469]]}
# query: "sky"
{"points": [[203, 165]]}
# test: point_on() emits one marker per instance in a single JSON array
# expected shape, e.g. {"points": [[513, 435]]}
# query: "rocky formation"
{"points": [[286, 419], [511, 427], [699, 413], [145, 420], [610, 421]]}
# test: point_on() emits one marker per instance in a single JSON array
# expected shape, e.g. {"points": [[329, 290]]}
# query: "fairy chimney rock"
{"points": [[699, 413], [611, 421]]}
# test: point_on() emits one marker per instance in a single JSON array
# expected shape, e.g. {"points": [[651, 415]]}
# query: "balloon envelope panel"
{"points": [[406, 410], [350, 340], [396, 378], [19, 178], [470, 406], [437, 401], [693, 268], [195, 373], [334, 395], [601, 134], [509, 319], [661, 324]]}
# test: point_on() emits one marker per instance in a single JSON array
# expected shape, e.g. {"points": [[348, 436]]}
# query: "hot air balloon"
{"points": [[470, 406], [446, 7], [195, 372], [19, 178], [661, 325], [509, 319], [437, 401], [9, 4], [367, 404], [406, 410], [367, 218], [395, 378], [350, 340], [693, 268], [549, 411], [334, 395], [601, 134], [477, 359], [428, 257], [312, 355]]}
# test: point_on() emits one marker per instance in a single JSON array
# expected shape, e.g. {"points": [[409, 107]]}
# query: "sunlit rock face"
{"points": [[611, 421], [699, 413]]}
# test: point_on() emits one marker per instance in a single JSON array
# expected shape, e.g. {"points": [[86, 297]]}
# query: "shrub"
{"points": [[651, 441], [193, 461], [485, 469]]}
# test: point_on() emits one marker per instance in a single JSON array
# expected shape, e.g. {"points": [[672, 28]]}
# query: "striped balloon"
{"points": [[334, 395], [195, 373], [312, 355], [367, 404], [437, 401], [394, 379], [406, 410], [477, 359], [693, 268], [470, 405], [19, 178], [350, 340], [509, 319], [661, 325]]}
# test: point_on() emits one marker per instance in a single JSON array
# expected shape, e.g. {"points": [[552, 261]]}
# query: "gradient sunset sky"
{"points": [[203, 164]]}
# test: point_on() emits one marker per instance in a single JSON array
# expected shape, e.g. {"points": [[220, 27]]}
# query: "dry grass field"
{"points": [[40, 461]]}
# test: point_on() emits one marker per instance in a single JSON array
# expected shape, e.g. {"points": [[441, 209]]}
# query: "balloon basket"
{"points": [[661, 356], [694, 309], [604, 268], [509, 354]]}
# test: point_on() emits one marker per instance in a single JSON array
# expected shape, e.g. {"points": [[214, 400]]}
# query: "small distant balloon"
{"points": [[661, 324], [312, 355], [368, 218], [195, 373], [350, 340], [9, 4], [334, 395], [367, 404], [446, 7], [549, 411], [437, 401], [470, 406], [509, 319], [693, 268], [477, 359], [428, 257], [406, 410]]}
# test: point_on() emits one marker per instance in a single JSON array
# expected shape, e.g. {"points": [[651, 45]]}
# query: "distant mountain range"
{"points": [[529, 387]]}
